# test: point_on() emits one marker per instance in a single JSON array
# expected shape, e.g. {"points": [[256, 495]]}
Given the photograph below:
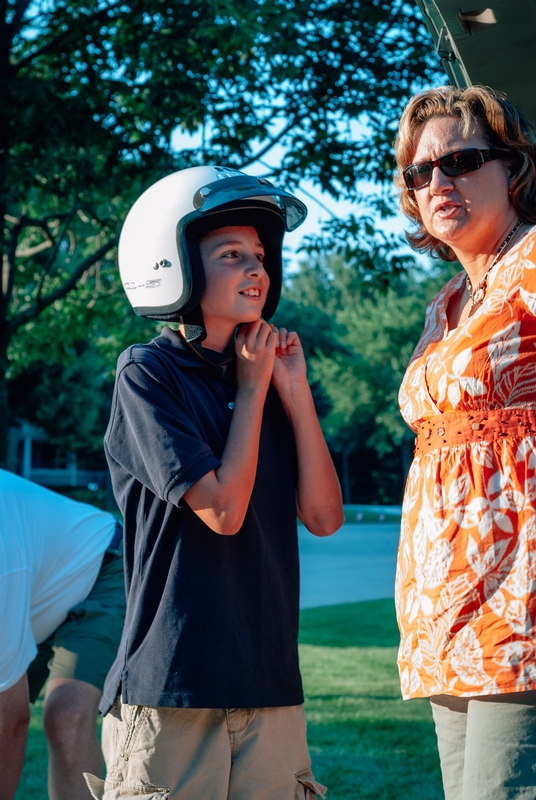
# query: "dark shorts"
{"points": [[85, 644]]}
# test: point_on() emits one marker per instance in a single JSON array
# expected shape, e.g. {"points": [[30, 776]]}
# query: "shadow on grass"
{"points": [[366, 742], [353, 696], [376, 762], [368, 624]]}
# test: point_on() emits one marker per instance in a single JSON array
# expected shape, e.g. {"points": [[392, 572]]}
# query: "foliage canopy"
{"points": [[359, 340], [91, 93]]}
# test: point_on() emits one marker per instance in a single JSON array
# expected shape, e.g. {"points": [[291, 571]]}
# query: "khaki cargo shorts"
{"points": [[85, 644], [205, 754]]}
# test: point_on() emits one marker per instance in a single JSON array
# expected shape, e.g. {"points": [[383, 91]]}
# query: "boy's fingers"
{"points": [[256, 336], [293, 338], [253, 331], [242, 335], [265, 332], [271, 340]]}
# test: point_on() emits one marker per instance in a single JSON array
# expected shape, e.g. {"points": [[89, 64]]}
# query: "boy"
{"points": [[213, 446]]}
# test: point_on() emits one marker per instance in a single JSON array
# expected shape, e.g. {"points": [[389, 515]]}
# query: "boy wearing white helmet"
{"points": [[213, 446]]}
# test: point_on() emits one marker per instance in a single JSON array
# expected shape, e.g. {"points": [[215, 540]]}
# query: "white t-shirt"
{"points": [[51, 551]]}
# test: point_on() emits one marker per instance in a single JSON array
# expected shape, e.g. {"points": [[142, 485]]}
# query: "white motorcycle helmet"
{"points": [[159, 259]]}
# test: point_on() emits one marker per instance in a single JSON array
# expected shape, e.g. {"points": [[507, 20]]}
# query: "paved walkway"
{"points": [[356, 563]]}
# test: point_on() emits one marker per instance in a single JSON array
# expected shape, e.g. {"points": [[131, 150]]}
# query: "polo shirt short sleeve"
{"points": [[212, 620], [155, 438]]}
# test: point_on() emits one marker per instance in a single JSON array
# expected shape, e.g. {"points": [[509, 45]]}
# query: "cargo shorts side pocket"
{"points": [[307, 787], [121, 728], [109, 790]]}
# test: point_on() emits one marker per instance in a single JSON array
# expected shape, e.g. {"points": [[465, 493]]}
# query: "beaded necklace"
{"points": [[477, 296]]}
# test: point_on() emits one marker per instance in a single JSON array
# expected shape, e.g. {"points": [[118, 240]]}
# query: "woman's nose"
{"points": [[440, 182]]}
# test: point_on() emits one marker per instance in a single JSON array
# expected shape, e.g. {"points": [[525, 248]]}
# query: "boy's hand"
{"points": [[255, 349], [289, 364]]}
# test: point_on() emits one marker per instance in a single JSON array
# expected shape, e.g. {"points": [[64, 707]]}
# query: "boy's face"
{"points": [[236, 281]]}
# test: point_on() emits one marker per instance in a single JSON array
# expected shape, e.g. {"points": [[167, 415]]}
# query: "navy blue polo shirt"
{"points": [[212, 620]]}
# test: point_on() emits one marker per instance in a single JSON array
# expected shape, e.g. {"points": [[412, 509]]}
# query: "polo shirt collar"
{"points": [[184, 356]]}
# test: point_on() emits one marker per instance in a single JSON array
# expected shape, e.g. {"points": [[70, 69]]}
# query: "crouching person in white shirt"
{"points": [[62, 609]]}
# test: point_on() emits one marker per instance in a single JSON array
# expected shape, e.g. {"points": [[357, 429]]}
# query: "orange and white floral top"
{"points": [[466, 576]]}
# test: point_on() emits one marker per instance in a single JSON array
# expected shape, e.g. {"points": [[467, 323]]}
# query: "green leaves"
{"points": [[91, 93], [121, 78], [358, 338]]}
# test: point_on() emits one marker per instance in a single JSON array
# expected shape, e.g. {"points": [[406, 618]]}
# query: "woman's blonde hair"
{"points": [[504, 126]]}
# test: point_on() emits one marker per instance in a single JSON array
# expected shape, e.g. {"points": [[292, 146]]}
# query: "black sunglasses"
{"points": [[419, 175]]}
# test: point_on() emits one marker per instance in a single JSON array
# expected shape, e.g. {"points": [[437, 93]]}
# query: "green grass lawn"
{"points": [[366, 743]]}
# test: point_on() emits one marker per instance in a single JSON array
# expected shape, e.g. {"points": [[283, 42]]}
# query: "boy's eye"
{"points": [[235, 254]]}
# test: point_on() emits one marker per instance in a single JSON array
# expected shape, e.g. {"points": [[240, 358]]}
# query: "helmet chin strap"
{"points": [[193, 334]]}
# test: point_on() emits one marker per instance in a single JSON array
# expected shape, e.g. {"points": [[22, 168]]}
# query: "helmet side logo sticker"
{"points": [[152, 284]]}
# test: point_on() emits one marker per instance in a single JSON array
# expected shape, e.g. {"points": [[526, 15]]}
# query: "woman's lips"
{"points": [[446, 210]]}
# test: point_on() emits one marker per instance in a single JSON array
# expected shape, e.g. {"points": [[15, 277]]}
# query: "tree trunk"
{"points": [[7, 31], [406, 457], [4, 410], [345, 476]]}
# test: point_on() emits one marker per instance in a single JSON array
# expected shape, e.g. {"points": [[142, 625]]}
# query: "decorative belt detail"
{"points": [[447, 430]]}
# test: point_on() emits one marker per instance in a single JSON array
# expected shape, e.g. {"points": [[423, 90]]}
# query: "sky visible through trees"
{"points": [[91, 97]]}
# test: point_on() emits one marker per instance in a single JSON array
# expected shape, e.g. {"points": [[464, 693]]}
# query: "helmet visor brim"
{"points": [[231, 190]]}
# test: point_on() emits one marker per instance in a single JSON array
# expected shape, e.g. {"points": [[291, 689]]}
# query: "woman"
{"points": [[467, 558]]}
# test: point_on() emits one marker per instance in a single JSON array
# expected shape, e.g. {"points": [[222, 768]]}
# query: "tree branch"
{"points": [[40, 51], [388, 25], [31, 222], [270, 144], [32, 251], [20, 11], [53, 254], [50, 45], [9, 256], [41, 303]]}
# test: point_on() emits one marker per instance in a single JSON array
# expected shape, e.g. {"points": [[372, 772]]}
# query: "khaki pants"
{"points": [[205, 754], [487, 746]]}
